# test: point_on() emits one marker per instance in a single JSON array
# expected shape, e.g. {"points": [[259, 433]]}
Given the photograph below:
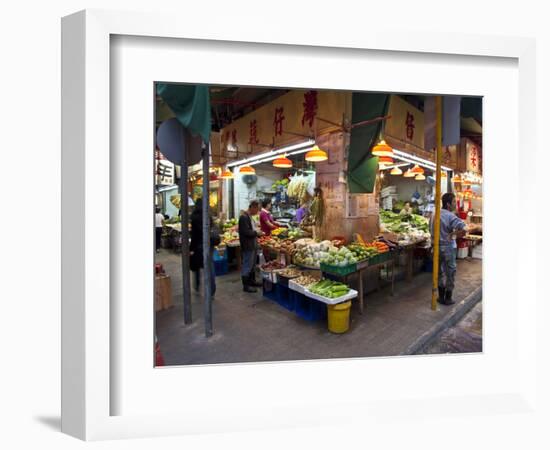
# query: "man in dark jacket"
{"points": [[248, 235]]}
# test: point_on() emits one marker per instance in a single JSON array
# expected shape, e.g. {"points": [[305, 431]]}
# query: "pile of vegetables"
{"points": [[409, 227], [290, 272], [283, 182], [229, 224], [295, 233], [329, 288], [271, 265], [230, 236], [310, 253], [362, 252], [381, 247], [305, 280], [341, 257], [279, 232]]}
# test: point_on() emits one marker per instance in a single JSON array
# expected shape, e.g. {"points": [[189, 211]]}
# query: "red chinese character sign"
{"points": [[473, 158], [409, 124], [278, 121], [310, 108], [253, 136]]}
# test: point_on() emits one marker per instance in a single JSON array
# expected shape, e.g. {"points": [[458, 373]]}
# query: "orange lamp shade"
{"points": [[409, 174], [420, 177], [382, 149], [396, 171], [456, 179], [226, 175], [384, 161], [417, 170], [283, 163], [199, 182], [247, 169], [316, 155]]}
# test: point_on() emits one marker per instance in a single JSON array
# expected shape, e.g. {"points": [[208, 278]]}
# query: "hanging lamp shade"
{"points": [[247, 169], [456, 179], [199, 182], [226, 175], [420, 177], [316, 155], [396, 171], [443, 174], [283, 163], [384, 161], [417, 170], [409, 174], [382, 149]]}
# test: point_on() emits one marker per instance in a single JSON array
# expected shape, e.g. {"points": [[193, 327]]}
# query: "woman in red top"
{"points": [[267, 223]]}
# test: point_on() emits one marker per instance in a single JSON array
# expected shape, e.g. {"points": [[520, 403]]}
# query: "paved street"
{"points": [[464, 337], [248, 327]]}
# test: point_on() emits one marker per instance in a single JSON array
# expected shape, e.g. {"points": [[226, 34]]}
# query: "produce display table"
{"points": [[472, 240], [408, 250], [298, 299], [237, 249], [375, 262]]}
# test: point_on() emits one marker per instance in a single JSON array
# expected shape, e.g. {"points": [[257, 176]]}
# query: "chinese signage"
{"points": [[164, 170], [406, 123], [279, 122], [473, 158]]}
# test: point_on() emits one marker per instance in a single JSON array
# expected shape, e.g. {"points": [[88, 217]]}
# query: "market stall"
{"points": [[331, 261]]}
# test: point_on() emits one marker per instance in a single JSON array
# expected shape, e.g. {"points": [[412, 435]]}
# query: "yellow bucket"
{"points": [[338, 317]]}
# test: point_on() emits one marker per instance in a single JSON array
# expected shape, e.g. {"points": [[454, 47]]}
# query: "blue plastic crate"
{"points": [[221, 267], [269, 290], [217, 257], [309, 309], [284, 297], [318, 310]]}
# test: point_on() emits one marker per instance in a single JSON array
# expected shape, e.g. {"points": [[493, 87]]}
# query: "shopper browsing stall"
{"points": [[451, 227], [248, 235]]}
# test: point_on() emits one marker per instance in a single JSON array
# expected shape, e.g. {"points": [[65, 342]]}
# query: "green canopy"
{"points": [[190, 104], [362, 166]]}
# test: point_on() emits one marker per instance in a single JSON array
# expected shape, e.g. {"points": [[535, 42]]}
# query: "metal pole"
{"points": [[206, 240], [184, 206], [437, 200]]}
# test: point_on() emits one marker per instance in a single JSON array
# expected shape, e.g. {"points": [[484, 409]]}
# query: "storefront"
{"points": [[317, 149]]}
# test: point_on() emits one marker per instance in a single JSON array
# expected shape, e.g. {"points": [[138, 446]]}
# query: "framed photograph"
{"points": [[265, 232]]}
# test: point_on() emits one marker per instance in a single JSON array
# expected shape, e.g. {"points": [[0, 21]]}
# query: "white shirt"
{"points": [[158, 220]]}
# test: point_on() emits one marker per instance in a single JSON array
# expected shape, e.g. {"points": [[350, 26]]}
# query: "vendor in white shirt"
{"points": [[159, 223]]}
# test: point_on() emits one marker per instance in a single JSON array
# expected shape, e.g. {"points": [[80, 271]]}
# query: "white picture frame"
{"points": [[89, 322]]}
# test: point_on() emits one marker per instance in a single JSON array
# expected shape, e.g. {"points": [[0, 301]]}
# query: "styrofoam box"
{"points": [[332, 301]]}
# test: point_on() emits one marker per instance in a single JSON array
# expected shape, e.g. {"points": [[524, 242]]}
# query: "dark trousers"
{"points": [[158, 234], [447, 268], [212, 278]]}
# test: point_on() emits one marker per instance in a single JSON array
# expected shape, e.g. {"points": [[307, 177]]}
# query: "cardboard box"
{"points": [[163, 292]]}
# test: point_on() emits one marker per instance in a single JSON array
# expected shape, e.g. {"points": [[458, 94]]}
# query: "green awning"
{"points": [[362, 166], [190, 104]]}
